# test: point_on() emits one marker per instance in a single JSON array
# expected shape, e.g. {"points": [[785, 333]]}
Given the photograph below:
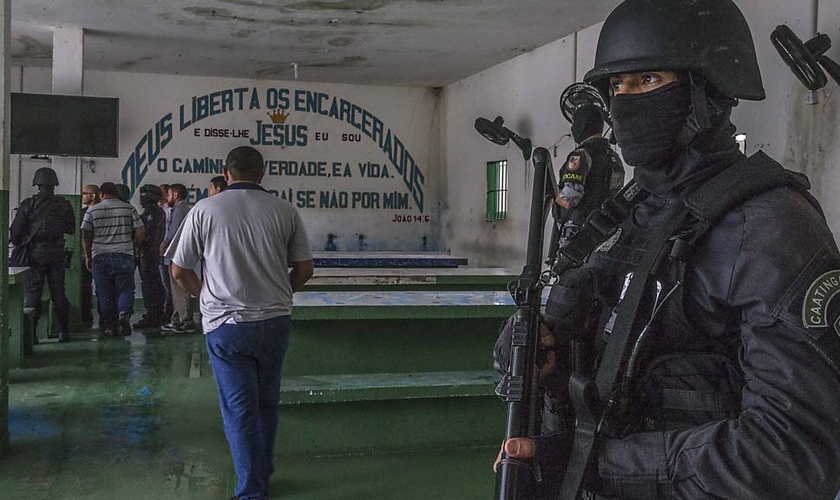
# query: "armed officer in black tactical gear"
{"points": [[148, 261], [44, 219], [731, 386], [591, 173]]}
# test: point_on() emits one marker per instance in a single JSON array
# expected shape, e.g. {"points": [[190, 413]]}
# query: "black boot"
{"points": [[124, 325], [63, 324], [35, 329]]}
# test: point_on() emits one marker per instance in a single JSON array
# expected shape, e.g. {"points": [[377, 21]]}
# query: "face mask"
{"points": [[587, 121], [145, 200], [648, 126]]}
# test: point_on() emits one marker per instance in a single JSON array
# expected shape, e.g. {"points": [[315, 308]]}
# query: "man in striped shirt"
{"points": [[111, 230]]}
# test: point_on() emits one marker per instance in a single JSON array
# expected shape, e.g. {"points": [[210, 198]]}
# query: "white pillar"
{"points": [[5, 81], [67, 72]]}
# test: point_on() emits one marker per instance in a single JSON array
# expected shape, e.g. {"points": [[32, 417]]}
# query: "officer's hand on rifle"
{"points": [[501, 351], [549, 364], [516, 448], [549, 456]]}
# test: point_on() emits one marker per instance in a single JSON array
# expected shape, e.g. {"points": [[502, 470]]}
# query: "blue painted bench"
{"points": [[407, 279], [387, 259]]}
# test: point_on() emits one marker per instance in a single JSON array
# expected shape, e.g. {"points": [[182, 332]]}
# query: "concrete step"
{"points": [[375, 413], [331, 347], [345, 388]]}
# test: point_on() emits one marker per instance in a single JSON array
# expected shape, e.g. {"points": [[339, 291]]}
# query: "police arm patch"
{"points": [[815, 305]]}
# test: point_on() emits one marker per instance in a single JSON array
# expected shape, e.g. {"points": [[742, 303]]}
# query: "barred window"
{"points": [[497, 188]]}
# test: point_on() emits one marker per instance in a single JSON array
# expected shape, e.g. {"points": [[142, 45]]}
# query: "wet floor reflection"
{"points": [[133, 417]]}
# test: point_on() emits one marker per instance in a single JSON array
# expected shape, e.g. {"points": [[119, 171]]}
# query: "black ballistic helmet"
{"points": [[151, 191], [45, 176], [123, 192], [710, 37]]}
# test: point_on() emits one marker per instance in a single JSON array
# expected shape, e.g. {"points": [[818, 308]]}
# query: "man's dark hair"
{"points": [[109, 188], [244, 164], [180, 189], [219, 182]]}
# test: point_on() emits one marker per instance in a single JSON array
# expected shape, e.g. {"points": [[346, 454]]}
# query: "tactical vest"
{"points": [[50, 216], [687, 377]]}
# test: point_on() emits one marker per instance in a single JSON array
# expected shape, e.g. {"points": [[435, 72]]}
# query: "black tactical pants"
{"points": [[153, 291], [87, 294], [53, 273]]}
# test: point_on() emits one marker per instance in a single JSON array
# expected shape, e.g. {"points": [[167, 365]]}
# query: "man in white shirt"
{"points": [[245, 239]]}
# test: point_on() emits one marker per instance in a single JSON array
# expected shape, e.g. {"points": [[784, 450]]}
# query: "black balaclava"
{"points": [[586, 122], [45, 191], [675, 134], [146, 201]]}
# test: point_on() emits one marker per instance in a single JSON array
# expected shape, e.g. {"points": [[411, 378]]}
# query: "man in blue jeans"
{"points": [[111, 231], [246, 239]]}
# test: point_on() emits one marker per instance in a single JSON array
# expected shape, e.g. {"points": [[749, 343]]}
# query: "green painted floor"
{"points": [[137, 418]]}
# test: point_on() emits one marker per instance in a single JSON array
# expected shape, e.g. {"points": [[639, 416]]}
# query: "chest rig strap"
{"points": [[596, 401], [599, 226]]}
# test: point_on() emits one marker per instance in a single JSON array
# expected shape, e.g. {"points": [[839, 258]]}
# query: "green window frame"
{"points": [[497, 190]]}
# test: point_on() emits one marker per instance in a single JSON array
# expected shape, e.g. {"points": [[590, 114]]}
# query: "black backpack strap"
{"points": [[718, 196], [747, 178]]}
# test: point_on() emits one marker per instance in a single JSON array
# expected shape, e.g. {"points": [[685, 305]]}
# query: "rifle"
{"points": [[522, 397]]}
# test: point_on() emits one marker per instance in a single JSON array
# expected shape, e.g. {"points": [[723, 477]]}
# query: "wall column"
{"points": [[67, 79], [5, 82]]}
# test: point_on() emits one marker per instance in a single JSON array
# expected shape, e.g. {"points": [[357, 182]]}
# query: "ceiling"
{"points": [[428, 43]]}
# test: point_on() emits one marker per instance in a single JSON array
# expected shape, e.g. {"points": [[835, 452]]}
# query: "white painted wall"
{"points": [[357, 169], [525, 92], [439, 133], [825, 173]]}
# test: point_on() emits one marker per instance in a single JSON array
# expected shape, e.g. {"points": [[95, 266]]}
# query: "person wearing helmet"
{"points": [[730, 387], [591, 173], [41, 223], [149, 258], [124, 192]]}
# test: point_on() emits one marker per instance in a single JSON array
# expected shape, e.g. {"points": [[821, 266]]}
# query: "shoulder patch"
{"points": [[573, 165], [816, 311]]}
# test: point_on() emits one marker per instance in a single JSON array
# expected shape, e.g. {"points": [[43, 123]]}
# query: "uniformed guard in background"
{"points": [[591, 173], [149, 259], [41, 223]]}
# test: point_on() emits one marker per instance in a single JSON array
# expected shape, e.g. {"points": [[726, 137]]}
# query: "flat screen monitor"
{"points": [[50, 124]]}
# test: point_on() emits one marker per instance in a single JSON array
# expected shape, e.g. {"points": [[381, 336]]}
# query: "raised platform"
{"points": [[343, 388], [394, 332], [406, 279], [387, 259], [400, 305]]}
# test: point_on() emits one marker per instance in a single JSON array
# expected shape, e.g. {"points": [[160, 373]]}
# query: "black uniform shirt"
{"points": [[155, 221], [738, 324]]}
